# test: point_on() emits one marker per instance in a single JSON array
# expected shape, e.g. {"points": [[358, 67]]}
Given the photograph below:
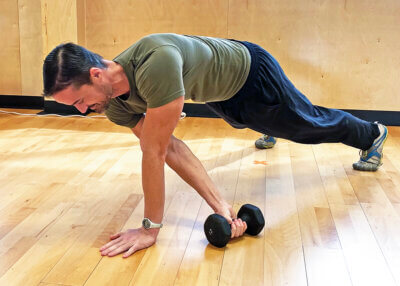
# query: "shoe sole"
{"points": [[262, 146], [376, 167]]}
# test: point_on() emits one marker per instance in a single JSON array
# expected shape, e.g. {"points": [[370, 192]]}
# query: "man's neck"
{"points": [[119, 80]]}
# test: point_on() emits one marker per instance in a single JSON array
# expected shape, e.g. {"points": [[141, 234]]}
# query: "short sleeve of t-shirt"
{"points": [[159, 78], [118, 115]]}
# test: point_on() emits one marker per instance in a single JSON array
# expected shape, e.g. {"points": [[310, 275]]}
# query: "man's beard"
{"points": [[102, 106]]}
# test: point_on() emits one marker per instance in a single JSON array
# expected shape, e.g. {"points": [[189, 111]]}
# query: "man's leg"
{"points": [[322, 125], [270, 104]]}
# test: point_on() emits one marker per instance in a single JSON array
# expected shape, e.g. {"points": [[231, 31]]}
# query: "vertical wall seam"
{"points": [[19, 49]]}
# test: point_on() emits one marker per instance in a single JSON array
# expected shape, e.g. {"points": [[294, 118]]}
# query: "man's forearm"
{"points": [[153, 186], [190, 169]]}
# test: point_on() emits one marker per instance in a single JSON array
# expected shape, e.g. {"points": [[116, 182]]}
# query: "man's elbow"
{"points": [[154, 151]]}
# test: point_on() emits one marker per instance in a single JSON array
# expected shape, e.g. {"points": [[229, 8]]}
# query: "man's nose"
{"points": [[81, 107]]}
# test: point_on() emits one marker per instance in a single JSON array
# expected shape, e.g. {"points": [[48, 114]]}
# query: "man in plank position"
{"points": [[144, 88]]}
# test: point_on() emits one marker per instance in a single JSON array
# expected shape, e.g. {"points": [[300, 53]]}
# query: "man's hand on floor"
{"points": [[130, 241]]}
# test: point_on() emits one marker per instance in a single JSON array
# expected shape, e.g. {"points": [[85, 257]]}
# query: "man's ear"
{"points": [[95, 74]]}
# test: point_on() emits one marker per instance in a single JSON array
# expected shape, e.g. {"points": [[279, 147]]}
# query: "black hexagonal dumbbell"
{"points": [[218, 230]]}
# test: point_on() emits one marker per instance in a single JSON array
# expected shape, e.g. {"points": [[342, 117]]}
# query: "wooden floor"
{"points": [[67, 184]]}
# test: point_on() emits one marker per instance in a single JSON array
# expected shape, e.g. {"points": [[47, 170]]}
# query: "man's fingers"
{"points": [[114, 236], [236, 229], [233, 229], [245, 227], [111, 243], [239, 227], [242, 227], [131, 251], [121, 248], [111, 249]]}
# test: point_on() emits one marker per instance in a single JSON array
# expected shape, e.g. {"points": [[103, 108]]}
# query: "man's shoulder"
{"points": [[148, 44]]}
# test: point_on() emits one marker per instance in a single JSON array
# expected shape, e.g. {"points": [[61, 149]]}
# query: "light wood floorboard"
{"points": [[67, 184]]}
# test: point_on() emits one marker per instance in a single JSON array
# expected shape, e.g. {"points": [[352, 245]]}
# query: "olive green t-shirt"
{"points": [[163, 67]]}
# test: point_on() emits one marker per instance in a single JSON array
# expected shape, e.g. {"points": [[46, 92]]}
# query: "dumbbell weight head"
{"points": [[253, 217], [217, 230]]}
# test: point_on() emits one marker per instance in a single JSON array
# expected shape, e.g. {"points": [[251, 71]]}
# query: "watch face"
{"points": [[146, 224]]}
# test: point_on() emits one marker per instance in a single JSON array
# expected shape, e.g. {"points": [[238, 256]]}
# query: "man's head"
{"points": [[73, 75]]}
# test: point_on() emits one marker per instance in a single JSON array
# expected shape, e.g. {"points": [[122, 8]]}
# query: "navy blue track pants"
{"points": [[270, 104]]}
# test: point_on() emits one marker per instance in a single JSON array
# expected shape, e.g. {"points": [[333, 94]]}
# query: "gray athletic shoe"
{"points": [[265, 142], [371, 159]]}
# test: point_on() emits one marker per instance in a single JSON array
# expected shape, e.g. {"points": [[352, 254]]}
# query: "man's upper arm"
{"points": [[137, 130], [158, 126], [160, 78]]}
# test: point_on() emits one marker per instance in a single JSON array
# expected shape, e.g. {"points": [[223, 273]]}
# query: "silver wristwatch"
{"points": [[147, 224]]}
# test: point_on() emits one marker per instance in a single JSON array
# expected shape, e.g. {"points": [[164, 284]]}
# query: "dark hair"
{"points": [[68, 64]]}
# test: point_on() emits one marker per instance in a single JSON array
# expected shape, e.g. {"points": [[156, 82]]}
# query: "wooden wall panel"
{"points": [[10, 71], [81, 21], [343, 54], [62, 22], [112, 26], [59, 23], [31, 48]]}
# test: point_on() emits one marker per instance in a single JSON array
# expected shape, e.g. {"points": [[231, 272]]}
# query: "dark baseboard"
{"points": [[21, 101], [37, 102], [390, 118], [53, 107]]}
